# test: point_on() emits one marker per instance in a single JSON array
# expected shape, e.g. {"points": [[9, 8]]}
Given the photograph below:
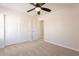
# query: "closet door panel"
{"points": [[1, 31], [17, 29], [11, 29]]}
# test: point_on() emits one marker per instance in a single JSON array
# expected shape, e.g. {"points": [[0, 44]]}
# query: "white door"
{"points": [[17, 29], [1, 31]]}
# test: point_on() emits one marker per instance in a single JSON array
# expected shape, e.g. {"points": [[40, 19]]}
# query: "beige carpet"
{"points": [[36, 48]]}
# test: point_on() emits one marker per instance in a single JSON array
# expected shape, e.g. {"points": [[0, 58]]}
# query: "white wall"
{"points": [[62, 27], [19, 27]]}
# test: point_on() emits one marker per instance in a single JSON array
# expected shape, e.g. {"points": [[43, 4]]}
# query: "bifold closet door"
{"points": [[17, 29], [1, 31]]}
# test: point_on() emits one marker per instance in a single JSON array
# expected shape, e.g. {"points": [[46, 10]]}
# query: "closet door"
{"points": [[1, 31], [17, 29], [11, 29]]}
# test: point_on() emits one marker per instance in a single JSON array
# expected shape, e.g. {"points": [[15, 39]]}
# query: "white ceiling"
{"points": [[23, 7]]}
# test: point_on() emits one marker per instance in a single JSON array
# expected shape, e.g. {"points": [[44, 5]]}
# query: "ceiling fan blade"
{"points": [[41, 4], [33, 4], [46, 9], [30, 9], [37, 5], [38, 12]]}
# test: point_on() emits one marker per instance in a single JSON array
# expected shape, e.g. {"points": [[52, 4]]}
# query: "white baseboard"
{"points": [[65, 46]]}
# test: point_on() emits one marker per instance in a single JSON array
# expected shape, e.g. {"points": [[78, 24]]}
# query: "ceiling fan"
{"points": [[38, 7]]}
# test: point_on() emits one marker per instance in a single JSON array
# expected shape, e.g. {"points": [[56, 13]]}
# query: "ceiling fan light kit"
{"points": [[38, 8]]}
